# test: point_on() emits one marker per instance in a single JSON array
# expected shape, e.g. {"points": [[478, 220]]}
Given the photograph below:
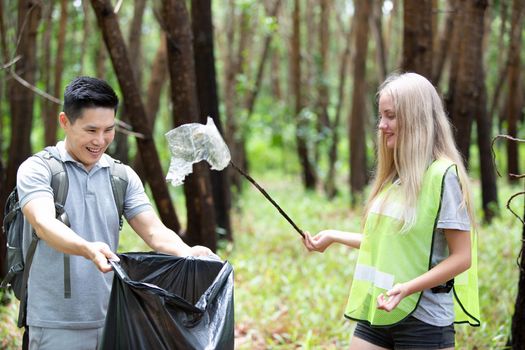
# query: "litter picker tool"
{"points": [[194, 142]]}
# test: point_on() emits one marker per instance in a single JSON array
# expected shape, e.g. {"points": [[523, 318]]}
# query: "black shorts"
{"points": [[410, 333]]}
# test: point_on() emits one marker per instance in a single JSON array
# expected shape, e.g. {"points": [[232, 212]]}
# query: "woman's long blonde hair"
{"points": [[423, 134]]}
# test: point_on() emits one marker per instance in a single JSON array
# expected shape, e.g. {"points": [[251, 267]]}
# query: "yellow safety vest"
{"points": [[388, 256]]}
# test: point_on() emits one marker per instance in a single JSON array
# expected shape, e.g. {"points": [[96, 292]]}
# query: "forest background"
{"points": [[291, 85]]}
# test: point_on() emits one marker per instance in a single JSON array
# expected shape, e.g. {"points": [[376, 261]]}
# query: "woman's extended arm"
{"points": [[325, 238], [459, 260]]}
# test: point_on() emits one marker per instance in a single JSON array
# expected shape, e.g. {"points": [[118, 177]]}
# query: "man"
{"points": [[57, 321]]}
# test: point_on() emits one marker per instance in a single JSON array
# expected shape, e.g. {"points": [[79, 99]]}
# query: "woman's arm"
{"points": [[325, 238], [459, 260]]}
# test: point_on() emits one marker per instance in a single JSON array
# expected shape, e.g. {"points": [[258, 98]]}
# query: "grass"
{"points": [[287, 298]]}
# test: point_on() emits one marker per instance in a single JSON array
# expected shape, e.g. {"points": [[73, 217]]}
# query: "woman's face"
{"points": [[387, 120]]}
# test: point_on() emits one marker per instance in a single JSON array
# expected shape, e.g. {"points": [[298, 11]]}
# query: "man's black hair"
{"points": [[88, 92]]}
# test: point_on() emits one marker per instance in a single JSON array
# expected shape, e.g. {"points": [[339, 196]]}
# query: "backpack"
{"points": [[17, 267]]}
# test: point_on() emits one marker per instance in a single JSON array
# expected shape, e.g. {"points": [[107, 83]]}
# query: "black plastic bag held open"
{"points": [[161, 301]]}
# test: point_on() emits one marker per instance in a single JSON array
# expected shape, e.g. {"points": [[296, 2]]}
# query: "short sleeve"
{"points": [[33, 180], [453, 214], [136, 200]]}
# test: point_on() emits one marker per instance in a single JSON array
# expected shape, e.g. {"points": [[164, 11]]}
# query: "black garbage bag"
{"points": [[162, 301]]}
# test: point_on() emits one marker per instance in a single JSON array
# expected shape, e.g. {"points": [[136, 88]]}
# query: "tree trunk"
{"points": [[357, 136], [253, 91], [121, 142], [323, 123], [454, 56], [51, 120], [86, 26], [197, 186], [417, 37], [46, 69], [101, 55], [21, 99], [108, 23], [204, 56], [517, 338], [444, 42], [515, 101], [330, 187], [377, 30], [159, 71], [308, 171], [466, 93], [235, 67], [484, 128]]}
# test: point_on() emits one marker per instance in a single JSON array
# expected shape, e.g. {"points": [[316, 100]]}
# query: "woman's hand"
{"points": [[392, 298], [319, 242]]}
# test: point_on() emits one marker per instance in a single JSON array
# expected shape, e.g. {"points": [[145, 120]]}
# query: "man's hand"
{"points": [[198, 250], [99, 253]]}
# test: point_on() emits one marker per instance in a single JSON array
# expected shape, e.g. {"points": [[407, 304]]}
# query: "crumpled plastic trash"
{"points": [[192, 143]]}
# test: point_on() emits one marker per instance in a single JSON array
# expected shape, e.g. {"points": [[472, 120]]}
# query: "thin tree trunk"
{"points": [[204, 56], [357, 136], [108, 23], [517, 338], [467, 94], [51, 123], [444, 42], [101, 55], [377, 31], [275, 74], [308, 172], [21, 99], [515, 101], [253, 92], [235, 67], [323, 118], [3, 88], [417, 37], [488, 172], [86, 25], [47, 71], [121, 142], [330, 188], [455, 53], [197, 186], [159, 71]]}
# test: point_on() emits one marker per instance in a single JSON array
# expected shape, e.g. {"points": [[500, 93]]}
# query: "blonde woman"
{"points": [[416, 274]]}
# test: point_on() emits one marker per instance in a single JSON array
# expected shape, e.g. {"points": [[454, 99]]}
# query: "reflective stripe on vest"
{"points": [[388, 256]]}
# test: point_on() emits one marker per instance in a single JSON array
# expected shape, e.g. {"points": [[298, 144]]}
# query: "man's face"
{"points": [[90, 135]]}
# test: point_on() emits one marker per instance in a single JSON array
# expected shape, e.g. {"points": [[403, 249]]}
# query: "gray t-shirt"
{"points": [[93, 216], [438, 308]]}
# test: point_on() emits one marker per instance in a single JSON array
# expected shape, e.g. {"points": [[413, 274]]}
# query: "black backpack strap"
{"points": [[119, 184], [23, 294], [60, 186]]}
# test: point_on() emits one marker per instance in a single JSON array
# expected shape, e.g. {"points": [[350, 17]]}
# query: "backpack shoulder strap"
{"points": [[60, 186], [59, 179], [119, 184]]}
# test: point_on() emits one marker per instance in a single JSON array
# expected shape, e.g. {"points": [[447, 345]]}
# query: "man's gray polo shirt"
{"points": [[93, 216]]}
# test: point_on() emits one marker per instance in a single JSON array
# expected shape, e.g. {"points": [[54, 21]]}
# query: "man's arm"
{"points": [[40, 212], [161, 239]]}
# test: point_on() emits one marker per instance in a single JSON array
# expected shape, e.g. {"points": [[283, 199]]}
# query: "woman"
{"points": [[416, 273]]}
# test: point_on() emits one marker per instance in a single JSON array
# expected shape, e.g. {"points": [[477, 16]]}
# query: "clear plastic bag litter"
{"points": [[192, 143]]}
